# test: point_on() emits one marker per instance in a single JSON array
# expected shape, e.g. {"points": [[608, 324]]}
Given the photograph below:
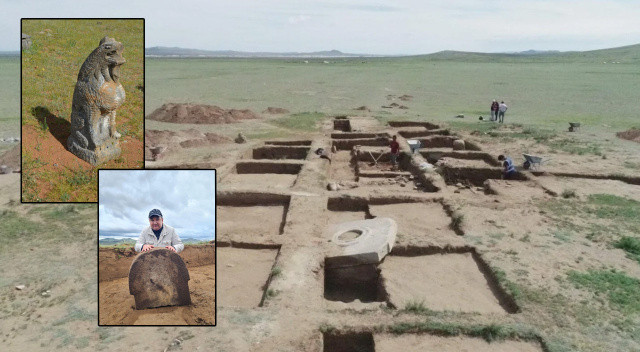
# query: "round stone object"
{"points": [[159, 278], [458, 144], [361, 242]]}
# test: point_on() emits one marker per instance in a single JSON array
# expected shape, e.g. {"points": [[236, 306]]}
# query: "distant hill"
{"points": [[132, 242], [623, 55], [10, 53], [161, 51]]}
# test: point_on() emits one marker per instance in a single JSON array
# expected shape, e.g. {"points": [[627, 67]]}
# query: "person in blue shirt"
{"points": [[509, 170]]}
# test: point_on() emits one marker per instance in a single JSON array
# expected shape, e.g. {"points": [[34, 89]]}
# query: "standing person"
{"points": [[509, 170], [158, 235], [502, 108], [395, 151], [494, 110]]}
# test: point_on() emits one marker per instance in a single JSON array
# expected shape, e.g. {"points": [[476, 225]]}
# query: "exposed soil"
{"points": [[632, 135], [275, 111], [117, 306], [253, 266], [200, 114], [48, 151], [441, 281], [410, 342], [159, 144], [11, 158]]}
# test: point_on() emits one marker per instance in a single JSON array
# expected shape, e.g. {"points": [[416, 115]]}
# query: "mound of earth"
{"points": [[631, 135], [158, 142], [405, 97], [11, 158], [275, 111], [200, 114]]}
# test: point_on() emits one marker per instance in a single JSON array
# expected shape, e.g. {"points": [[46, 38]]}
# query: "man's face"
{"points": [[155, 222]]}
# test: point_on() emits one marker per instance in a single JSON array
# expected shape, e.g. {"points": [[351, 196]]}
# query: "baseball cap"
{"points": [[155, 212]]}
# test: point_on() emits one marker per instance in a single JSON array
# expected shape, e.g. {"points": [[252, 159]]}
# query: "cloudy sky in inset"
{"points": [[404, 27], [185, 197]]}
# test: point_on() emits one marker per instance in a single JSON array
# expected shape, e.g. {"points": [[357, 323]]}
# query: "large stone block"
{"points": [[361, 242], [159, 278]]}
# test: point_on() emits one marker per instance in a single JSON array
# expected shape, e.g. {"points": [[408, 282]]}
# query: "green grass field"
{"points": [[548, 94], [50, 67], [9, 97]]}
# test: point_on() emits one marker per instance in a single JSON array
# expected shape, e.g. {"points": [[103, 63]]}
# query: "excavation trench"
{"points": [[292, 143], [476, 176], [358, 135], [257, 167], [348, 144], [280, 152], [342, 124], [427, 133], [251, 214], [427, 125], [348, 342], [438, 141], [465, 281], [432, 156]]}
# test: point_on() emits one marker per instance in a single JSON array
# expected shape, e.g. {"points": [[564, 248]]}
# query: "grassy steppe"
{"points": [[546, 94]]}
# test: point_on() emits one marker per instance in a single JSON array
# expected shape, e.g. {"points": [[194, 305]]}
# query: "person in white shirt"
{"points": [[158, 235], [502, 108]]}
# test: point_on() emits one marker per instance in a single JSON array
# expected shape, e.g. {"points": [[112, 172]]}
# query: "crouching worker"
{"points": [[158, 235], [509, 170], [324, 154]]}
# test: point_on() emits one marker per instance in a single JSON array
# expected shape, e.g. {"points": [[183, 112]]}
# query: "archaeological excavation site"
{"points": [[324, 245]]}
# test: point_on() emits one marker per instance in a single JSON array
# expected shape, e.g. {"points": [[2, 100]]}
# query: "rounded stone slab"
{"points": [[159, 278], [361, 242]]}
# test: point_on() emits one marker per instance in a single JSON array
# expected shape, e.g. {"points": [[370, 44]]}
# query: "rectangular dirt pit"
{"points": [[257, 167], [426, 342], [280, 152], [343, 209], [243, 275], [427, 219], [342, 167], [292, 143], [434, 155], [343, 125], [255, 221], [475, 175], [350, 342], [358, 282], [458, 282], [426, 125]]}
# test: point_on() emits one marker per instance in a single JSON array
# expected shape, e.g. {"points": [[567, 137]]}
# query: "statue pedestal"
{"points": [[110, 149]]}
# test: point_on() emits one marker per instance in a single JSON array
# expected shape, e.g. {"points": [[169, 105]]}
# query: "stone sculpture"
{"points": [[97, 95], [159, 278]]}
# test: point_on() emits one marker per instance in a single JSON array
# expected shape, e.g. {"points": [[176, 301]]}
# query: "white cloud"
{"points": [[360, 26], [299, 18], [185, 197]]}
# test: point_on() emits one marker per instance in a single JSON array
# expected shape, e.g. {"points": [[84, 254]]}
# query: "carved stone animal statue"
{"points": [[97, 95]]}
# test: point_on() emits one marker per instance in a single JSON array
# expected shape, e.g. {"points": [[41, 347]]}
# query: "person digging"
{"points": [[509, 170], [395, 152]]}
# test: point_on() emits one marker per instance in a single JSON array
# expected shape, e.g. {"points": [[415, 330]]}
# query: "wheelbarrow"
{"points": [[532, 162], [574, 126]]}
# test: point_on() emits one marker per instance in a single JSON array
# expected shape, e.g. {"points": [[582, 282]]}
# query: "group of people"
{"points": [[498, 110]]}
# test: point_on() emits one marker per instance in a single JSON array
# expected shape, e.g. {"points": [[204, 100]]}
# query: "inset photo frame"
{"points": [[82, 104], [156, 247]]}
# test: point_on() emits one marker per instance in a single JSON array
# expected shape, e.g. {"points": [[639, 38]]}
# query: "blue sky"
{"points": [[357, 26], [185, 197]]}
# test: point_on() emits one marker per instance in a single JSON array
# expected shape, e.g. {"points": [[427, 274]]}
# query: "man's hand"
{"points": [[147, 247], [171, 248]]}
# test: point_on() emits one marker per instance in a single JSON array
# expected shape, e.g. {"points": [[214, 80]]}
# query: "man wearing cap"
{"points": [[158, 235]]}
